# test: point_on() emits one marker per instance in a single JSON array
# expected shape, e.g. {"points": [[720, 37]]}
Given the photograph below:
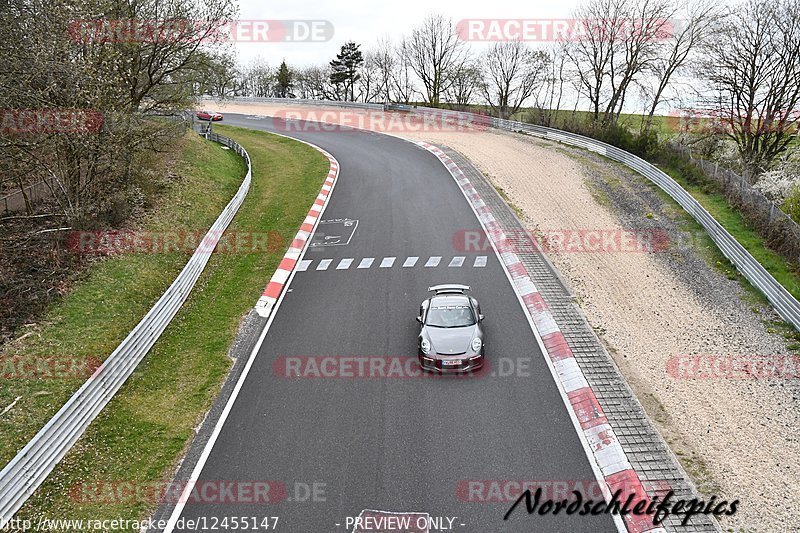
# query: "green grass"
{"points": [[717, 205], [783, 269], [676, 122], [732, 221], [145, 429]]}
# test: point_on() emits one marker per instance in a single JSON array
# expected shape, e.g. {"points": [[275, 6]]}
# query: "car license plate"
{"points": [[451, 362]]}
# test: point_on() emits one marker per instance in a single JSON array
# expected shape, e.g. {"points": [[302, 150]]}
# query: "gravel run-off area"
{"points": [[737, 438]]}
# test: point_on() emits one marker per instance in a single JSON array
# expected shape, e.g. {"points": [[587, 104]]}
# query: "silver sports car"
{"points": [[451, 337]]}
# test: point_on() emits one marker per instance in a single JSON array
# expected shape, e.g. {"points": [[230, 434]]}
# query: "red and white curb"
{"points": [[301, 240], [598, 433]]}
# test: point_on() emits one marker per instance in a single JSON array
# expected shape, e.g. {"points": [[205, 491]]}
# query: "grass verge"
{"points": [[709, 195], [785, 272], [717, 205], [141, 434]]}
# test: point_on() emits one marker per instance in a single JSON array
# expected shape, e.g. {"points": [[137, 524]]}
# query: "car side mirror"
{"points": [[419, 319], [480, 318]]}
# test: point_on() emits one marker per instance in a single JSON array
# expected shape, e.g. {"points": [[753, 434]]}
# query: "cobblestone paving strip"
{"points": [[647, 452]]}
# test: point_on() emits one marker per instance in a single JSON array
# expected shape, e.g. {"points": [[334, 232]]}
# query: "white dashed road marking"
{"points": [[389, 262], [433, 261], [457, 261], [344, 264]]}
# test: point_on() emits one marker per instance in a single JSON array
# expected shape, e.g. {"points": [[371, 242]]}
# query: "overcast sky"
{"points": [[364, 21]]}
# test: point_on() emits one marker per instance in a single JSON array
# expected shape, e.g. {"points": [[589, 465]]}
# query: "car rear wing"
{"points": [[449, 288]]}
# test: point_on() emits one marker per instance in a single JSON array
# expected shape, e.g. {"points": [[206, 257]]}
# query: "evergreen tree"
{"points": [[344, 69], [285, 83]]}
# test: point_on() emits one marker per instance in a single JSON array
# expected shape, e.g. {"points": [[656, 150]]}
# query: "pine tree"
{"points": [[344, 69], [285, 83]]}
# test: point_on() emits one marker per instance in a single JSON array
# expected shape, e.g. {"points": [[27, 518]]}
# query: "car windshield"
{"points": [[450, 316]]}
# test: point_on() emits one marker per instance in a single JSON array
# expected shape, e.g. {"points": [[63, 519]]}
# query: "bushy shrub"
{"points": [[776, 185], [791, 205]]}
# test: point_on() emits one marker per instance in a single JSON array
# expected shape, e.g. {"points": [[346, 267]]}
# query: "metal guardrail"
{"points": [[33, 463], [25, 472], [781, 299], [784, 303], [298, 101]]}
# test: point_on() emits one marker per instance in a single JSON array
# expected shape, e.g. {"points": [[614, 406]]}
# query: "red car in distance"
{"points": [[209, 115]]}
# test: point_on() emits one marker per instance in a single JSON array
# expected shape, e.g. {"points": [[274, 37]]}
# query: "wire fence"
{"points": [[781, 232]]}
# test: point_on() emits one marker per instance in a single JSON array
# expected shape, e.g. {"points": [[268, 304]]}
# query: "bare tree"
{"points": [[512, 71], [699, 17], [645, 29], [403, 89], [147, 68], [435, 52], [54, 59], [591, 54], [547, 99], [221, 78], [258, 79], [370, 86], [466, 80], [314, 83], [619, 43], [753, 65], [385, 58]]}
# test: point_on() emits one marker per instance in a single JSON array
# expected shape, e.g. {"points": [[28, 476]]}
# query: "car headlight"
{"points": [[477, 344], [425, 346]]}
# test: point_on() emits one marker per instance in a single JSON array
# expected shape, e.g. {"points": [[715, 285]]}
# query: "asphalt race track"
{"points": [[398, 443]]}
